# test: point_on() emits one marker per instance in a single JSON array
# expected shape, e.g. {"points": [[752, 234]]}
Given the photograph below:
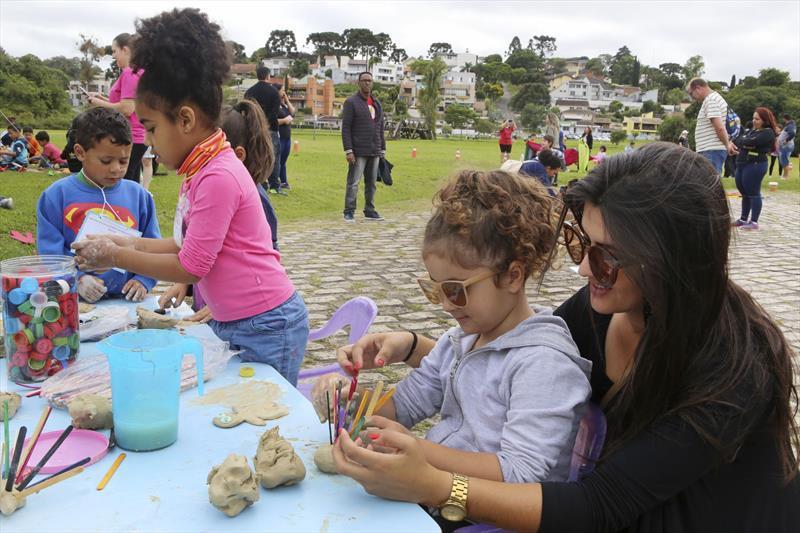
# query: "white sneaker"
{"points": [[7, 203]]}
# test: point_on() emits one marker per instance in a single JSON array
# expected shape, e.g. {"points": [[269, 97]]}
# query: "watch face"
{"points": [[453, 513]]}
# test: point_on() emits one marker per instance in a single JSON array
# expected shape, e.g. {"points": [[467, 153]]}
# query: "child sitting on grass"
{"points": [[14, 157], [51, 153]]}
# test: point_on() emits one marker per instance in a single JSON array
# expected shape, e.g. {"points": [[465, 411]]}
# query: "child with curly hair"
{"points": [[508, 381], [221, 240]]}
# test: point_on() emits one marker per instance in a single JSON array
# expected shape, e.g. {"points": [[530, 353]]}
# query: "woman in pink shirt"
{"points": [[221, 240], [122, 97]]}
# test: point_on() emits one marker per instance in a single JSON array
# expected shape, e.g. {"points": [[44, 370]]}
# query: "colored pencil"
{"points": [[375, 395], [12, 470], [383, 400], [361, 407], [328, 412], [7, 450], [49, 482], [26, 455], [25, 482], [111, 471]]}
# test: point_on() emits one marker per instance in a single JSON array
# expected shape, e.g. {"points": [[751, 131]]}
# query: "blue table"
{"points": [[166, 490]]}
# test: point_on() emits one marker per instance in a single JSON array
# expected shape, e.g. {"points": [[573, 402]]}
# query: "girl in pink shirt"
{"points": [[221, 240]]}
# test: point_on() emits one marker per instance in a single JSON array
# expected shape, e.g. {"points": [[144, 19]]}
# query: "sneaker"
{"points": [[285, 186], [750, 225], [373, 216], [738, 223], [7, 203], [348, 217]]}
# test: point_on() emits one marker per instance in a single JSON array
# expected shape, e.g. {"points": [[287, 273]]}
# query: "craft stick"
{"points": [[24, 483], [361, 408], [26, 455], [76, 464], [12, 470], [353, 385], [31, 394], [49, 482], [111, 471], [384, 399], [358, 427], [328, 407], [7, 449], [375, 395]]}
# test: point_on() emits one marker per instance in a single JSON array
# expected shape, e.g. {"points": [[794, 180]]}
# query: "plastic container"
{"points": [[40, 315], [145, 369]]}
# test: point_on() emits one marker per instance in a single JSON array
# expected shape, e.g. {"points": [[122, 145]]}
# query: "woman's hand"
{"points": [[95, 252], [375, 350], [201, 317], [381, 422], [174, 296], [323, 384], [404, 475]]}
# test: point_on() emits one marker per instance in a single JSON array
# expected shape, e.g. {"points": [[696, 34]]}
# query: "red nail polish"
{"points": [[358, 366], [374, 436], [381, 362]]}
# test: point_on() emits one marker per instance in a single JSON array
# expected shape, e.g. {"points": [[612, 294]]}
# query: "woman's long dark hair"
{"points": [[710, 354]]}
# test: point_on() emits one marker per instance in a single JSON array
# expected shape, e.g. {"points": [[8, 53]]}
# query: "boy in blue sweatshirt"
{"points": [[103, 146], [16, 155]]}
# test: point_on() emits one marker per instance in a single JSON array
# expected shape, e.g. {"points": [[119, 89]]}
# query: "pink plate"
{"points": [[79, 444]]}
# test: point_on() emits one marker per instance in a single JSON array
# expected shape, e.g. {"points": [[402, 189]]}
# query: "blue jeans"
{"points": [[748, 180], [276, 337], [286, 148], [716, 157], [275, 177], [784, 153]]}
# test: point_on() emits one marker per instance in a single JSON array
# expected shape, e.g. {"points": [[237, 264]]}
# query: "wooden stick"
{"points": [[383, 400], [25, 482], [328, 407], [375, 395], [49, 482], [361, 407], [26, 455], [111, 471], [12, 470]]}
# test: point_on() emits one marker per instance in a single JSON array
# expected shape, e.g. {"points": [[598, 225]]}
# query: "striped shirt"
{"points": [[705, 136]]}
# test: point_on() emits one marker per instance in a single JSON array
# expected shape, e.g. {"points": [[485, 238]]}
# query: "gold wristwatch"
{"points": [[455, 508]]}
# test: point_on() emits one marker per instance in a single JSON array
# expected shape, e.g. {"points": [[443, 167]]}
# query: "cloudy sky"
{"points": [[656, 31]]}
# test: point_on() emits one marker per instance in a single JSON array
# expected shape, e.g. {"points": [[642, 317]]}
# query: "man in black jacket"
{"points": [[364, 145], [268, 98]]}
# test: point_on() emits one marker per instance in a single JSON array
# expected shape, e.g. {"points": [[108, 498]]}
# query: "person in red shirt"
{"points": [[506, 130]]}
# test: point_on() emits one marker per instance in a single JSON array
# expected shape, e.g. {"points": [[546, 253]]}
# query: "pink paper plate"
{"points": [[79, 444]]}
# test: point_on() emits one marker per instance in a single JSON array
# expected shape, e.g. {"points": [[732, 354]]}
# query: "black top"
{"points": [[284, 129], [589, 140], [668, 479], [362, 133], [754, 145], [268, 98]]}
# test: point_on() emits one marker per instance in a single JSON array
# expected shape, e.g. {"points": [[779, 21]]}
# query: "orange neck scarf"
{"points": [[201, 154]]}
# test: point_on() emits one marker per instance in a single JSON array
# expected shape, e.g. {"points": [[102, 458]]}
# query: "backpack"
{"points": [[732, 124]]}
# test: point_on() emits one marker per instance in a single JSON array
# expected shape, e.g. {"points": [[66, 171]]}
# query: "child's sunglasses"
{"points": [[453, 290]]}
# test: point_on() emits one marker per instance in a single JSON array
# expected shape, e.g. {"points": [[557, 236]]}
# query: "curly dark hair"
{"points": [[492, 218], [98, 123], [184, 59], [244, 125]]}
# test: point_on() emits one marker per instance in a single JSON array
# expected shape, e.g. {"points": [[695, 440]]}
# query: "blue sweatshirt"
{"points": [[64, 205], [20, 149], [520, 397]]}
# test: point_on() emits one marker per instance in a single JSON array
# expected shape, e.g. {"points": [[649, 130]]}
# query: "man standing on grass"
{"points": [[268, 98], [364, 145], [710, 136]]}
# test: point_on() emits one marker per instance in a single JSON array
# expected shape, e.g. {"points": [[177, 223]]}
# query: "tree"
{"points": [[429, 97], [237, 52], [693, 68], [543, 45], [530, 93], [281, 43], [671, 76], [493, 91], [533, 116], [671, 128], [596, 66], [258, 54], [621, 68], [556, 65], [71, 66], [733, 82], [459, 116], [326, 43], [652, 107], [299, 68], [398, 55], [358, 42], [379, 47], [772, 77], [485, 126], [34, 92], [674, 96], [636, 73], [493, 58], [618, 136], [91, 52], [439, 48], [526, 59], [514, 45]]}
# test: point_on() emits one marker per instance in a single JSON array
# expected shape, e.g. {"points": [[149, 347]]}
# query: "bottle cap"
{"points": [[44, 346], [51, 312], [247, 371], [29, 285], [17, 296]]}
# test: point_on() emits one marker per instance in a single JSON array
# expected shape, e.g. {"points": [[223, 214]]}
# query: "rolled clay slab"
{"points": [[13, 399], [276, 462], [323, 458], [232, 486], [91, 411]]}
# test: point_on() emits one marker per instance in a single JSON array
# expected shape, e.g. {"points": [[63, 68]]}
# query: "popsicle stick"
{"points": [[384, 399], [375, 395], [49, 482], [26, 455], [360, 411], [12, 470], [76, 464], [25, 482], [111, 471]]}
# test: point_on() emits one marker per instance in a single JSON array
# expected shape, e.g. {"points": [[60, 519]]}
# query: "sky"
{"points": [[655, 31]]}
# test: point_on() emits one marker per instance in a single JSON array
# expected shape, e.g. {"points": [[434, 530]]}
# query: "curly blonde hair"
{"points": [[492, 218]]}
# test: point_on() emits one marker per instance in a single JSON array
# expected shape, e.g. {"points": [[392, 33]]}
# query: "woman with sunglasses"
{"points": [[696, 379]]}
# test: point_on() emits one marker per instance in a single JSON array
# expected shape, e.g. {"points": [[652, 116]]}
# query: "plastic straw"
{"points": [[12, 470], [26, 455], [111, 471], [46, 458]]}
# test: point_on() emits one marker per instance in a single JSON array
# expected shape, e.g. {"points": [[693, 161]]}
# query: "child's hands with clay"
{"points": [[134, 290], [323, 384], [95, 252], [174, 296], [91, 288]]}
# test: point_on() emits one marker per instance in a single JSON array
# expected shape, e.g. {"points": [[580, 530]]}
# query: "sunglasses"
{"points": [[453, 290]]}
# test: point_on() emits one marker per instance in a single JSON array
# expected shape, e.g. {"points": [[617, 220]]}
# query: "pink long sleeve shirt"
{"points": [[227, 242], [125, 89]]}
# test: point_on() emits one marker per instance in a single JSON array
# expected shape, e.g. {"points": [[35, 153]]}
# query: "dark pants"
{"points": [[368, 167], [275, 177], [730, 166], [748, 180], [772, 160], [286, 148], [134, 172]]}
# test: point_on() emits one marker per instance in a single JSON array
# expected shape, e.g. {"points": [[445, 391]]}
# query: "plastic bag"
{"points": [[101, 322]]}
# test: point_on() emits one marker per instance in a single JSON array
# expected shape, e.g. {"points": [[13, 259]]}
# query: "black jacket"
{"points": [[360, 133], [268, 98]]}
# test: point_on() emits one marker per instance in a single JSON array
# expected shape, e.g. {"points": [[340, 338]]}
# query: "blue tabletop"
{"points": [[166, 490]]}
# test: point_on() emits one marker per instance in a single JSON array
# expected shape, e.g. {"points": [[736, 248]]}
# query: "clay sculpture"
{"points": [[257, 415], [232, 486], [276, 462], [13, 400], [323, 458], [10, 502], [91, 411], [147, 319]]}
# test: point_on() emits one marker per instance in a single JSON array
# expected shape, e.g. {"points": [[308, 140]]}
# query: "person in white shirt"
{"points": [[710, 136]]}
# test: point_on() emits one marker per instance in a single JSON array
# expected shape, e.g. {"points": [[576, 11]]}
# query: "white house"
{"points": [[344, 69], [599, 93], [277, 65], [457, 60], [98, 85]]}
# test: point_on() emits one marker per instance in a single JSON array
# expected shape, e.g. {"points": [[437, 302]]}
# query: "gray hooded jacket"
{"points": [[521, 397]]}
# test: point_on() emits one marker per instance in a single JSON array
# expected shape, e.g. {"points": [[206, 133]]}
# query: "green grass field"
{"points": [[317, 176]]}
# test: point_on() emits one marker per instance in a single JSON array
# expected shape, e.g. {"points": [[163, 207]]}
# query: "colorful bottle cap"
{"points": [[29, 285], [74, 341], [65, 286], [17, 296], [52, 289], [61, 341], [12, 325], [44, 345], [36, 364], [39, 356], [51, 312], [19, 359], [68, 306], [27, 308], [38, 330], [10, 284], [61, 352], [247, 372], [24, 337], [25, 319]]}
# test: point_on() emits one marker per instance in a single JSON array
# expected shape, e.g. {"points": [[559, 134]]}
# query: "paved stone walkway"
{"points": [[334, 261]]}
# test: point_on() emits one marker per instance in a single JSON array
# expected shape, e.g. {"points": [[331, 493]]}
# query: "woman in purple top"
{"points": [[122, 97]]}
